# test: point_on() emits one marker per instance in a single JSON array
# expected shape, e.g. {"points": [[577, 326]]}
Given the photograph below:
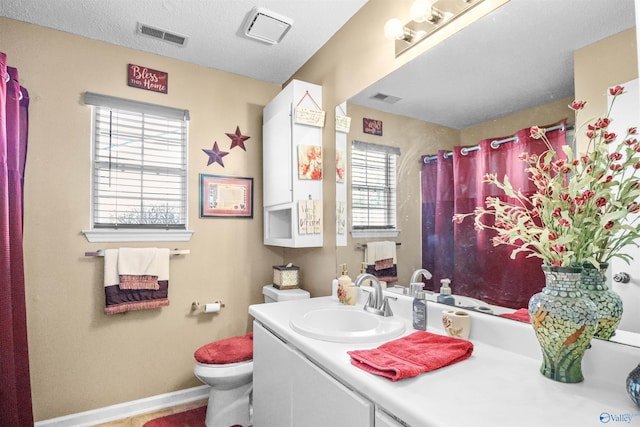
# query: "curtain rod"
{"points": [[494, 144]]}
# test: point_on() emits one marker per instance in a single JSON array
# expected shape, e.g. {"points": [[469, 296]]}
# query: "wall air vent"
{"points": [[389, 99], [266, 26], [157, 33]]}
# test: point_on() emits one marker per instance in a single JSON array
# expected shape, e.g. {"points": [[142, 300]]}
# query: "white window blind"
{"points": [[139, 164], [373, 186]]}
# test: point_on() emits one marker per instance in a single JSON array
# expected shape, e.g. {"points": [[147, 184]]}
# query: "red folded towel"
{"points": [[522, 315], [412, 355]]}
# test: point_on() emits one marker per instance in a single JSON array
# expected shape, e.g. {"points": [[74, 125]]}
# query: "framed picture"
{"points": [[226, 196]]}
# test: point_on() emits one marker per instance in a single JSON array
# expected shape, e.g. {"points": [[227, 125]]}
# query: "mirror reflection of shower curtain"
{"points": [[458, 251]]}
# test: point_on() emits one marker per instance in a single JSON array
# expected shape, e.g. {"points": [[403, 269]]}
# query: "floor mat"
{"points": [[191, 418]]}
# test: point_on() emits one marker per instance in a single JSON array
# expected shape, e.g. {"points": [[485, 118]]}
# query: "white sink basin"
{"points": [[347, 324]]}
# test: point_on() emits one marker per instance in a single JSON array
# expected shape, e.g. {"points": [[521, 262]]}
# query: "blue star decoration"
{"points": [[237, 139], [215, 155]]}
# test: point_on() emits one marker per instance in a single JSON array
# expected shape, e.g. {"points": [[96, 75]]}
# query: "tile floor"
{"points": [[139, 420]]}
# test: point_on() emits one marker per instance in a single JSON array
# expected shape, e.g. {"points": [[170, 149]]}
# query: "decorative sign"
{"points": [[146, 78], [343, 124], [309, 217], [308, 116], [371, 126]]}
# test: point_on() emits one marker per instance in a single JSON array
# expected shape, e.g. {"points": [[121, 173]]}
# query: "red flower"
{"points": [[588, 194], [564, 222], [559, 248], [615, 156], [556, 212], [590, 133], [633, 207], [609, 225], [577, 105], [630, 141], [601, 201], [556, 263], [524, 156], [609, 137], [553, 235], [617, 90], [537, 132], [632, 131], [614, 167]]}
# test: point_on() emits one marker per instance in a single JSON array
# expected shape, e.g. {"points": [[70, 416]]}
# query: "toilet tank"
{"points": [[271, 294]]}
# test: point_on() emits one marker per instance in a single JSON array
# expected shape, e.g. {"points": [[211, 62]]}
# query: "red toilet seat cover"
{"points": [[228, 350]]}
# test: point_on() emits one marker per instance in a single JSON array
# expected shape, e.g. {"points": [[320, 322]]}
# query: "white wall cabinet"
{"points": [[290, 390], [285, 136]]}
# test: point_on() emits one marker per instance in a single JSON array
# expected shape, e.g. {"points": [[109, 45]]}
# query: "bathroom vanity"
{"points": [[304, 381]]}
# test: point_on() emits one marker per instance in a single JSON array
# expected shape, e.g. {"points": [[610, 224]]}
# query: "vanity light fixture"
{"points": [[426, 18]]}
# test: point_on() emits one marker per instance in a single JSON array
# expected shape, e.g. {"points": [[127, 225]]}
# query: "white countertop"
{"points": [[499, 385]]}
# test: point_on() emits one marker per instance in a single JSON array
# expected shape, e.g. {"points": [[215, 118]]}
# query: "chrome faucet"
{"points": [[414, 285], [416, 274], [377, 303]]}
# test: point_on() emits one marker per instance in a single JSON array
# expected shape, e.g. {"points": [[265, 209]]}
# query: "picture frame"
{"points": [[226, 196]]}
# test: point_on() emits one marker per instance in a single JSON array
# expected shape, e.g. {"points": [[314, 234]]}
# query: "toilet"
{"points": [[226, 366]]}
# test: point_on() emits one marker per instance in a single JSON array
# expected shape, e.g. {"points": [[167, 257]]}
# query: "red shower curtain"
{"points": [[437, 210], [15, 386], [479, 269]]}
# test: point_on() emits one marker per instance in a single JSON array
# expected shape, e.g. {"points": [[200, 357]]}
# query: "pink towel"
{"points": [[412, 355], [522, 315]]}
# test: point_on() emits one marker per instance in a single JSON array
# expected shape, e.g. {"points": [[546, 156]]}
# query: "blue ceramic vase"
{"points": [[633, 385]]}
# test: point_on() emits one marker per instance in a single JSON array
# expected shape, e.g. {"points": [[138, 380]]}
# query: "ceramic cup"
{"points": [[456, 323]]}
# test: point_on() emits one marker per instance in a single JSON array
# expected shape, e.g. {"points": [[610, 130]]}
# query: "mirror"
{"points": [[508, 71]]}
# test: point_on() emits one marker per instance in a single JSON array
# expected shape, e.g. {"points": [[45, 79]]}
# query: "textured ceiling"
{"points": [[518, 57], [214, 28]]}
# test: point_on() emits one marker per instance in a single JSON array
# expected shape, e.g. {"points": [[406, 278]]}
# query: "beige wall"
{"points": [[81, 359], [599, 66]]}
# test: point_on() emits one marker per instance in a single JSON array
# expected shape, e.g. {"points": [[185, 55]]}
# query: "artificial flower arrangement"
{"points": [[584, 207]]}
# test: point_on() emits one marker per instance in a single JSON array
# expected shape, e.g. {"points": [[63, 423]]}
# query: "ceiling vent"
{"points": [[389, 99], [157, 33], [266, 26]]}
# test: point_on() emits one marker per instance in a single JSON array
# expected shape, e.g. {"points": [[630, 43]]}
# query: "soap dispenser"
{"points": [[363, 270], [445, 296], [420, 311], [344, 285]]}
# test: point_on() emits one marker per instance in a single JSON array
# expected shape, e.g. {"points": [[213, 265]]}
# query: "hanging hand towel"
{"points": [[119, 300], [382, 260], [138, 268], [521, 314], [412, 355]]}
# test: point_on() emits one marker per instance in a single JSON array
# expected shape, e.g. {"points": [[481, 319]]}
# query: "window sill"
{"points": [[131, 235], [359, 234]]}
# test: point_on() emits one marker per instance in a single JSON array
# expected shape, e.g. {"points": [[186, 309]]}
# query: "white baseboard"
{"points": [[127, 409]]}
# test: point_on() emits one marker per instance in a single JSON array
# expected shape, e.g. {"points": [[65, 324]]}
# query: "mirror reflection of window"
{"points": [[373, 186]]}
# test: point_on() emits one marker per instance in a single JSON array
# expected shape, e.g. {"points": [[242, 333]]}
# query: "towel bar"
{"points": [[363, 246], [100, 252]]}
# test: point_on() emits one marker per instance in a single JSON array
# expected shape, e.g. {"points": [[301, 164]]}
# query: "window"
{"points": [[373, 188], [139, 171]]}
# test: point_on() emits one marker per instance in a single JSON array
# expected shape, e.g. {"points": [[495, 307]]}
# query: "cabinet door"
{"points": [[278, 158], [384, 420], [321, 401], [272, 379]]}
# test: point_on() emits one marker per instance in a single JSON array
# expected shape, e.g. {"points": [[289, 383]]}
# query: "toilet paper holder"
{"points": [[207, 308]]}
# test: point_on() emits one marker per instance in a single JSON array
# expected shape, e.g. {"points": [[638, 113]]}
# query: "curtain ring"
{"points": [[464, 151], [7, 77], [20, 97]]}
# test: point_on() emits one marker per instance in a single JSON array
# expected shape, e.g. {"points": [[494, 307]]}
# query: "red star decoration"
{"points": [[215, 155], [238, 139]]}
